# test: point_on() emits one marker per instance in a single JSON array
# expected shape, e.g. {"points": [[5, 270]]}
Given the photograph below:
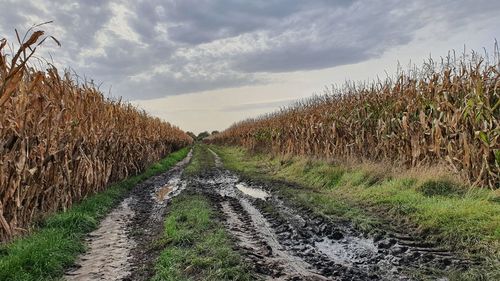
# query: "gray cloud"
{"points": [[157, 85], [198, 22], [151, 49]]}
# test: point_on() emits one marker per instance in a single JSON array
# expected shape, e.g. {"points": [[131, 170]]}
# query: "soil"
{"points": [[279, 240], [286, 242], [122, 248], [109, 247]]}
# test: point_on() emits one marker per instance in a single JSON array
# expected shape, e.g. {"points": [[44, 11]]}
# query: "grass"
{"points": [[462, 219], [197, 247], [58, 240], [202, 160], [318, 178]]}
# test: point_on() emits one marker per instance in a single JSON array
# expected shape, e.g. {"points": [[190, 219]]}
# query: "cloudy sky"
{"points": [[203, 65]]}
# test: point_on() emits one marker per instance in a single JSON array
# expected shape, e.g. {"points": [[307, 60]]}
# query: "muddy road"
{"points": [[278, 240], [122, 247], [283, 242]]}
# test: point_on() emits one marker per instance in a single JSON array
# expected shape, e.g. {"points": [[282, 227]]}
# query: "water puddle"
{"points": [[173, 187], [251, 191], [348, 251], [162, 193]]}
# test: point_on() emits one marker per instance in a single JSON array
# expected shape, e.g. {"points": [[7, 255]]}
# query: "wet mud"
{"points": [[123, 246], [280, 241], [108, 255], [150, 200], [285, 242]]}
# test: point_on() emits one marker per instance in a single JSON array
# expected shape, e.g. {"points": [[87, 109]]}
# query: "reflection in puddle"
{"points": [[347, 252], [254, 192], [171, 189], [162, 193]]}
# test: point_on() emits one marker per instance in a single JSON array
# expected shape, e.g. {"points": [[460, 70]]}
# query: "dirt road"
{"points": [[279, 240], [120, 249]]}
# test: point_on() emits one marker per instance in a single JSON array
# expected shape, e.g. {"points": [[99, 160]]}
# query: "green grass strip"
{"points": [[466, 220], [202, 160], [196, 245], [58, 241]]}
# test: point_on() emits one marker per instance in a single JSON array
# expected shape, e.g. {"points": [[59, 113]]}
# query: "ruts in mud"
{"points": [[122, 246], [283, 242], [279, 240]]}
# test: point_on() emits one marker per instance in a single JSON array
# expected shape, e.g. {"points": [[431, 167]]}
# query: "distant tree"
{"points": [[191, 134], [202, 135], [215, 132]]}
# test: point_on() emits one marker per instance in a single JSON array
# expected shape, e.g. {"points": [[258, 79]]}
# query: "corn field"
{"points": [[62, 140], [444, 113]]}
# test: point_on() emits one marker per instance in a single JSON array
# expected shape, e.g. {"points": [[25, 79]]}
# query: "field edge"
{"points": [[372, 201], [56, 242]]}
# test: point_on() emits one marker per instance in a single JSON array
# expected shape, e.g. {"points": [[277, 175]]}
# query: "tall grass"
{"points": [[61, 140], [445, 113]]}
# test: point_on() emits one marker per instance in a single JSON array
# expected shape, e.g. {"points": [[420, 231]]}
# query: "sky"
{"points": [[203, 65]]}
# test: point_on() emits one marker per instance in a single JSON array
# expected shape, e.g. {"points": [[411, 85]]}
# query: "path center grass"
{"points": [[58, 241], [202, 160], [196, 245]]}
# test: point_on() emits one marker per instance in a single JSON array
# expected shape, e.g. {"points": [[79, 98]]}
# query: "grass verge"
{"points": [[196, 245], [57, 242], [202, 160], [464, 219]]}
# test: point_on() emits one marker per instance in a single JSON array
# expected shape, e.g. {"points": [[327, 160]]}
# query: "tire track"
{"points": [[121, 247], [287, 243]]}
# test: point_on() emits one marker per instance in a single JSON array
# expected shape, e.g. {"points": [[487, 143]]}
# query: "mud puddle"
{"points": [[164, 191], [121, 248], [252, 191], [287, 243]]}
